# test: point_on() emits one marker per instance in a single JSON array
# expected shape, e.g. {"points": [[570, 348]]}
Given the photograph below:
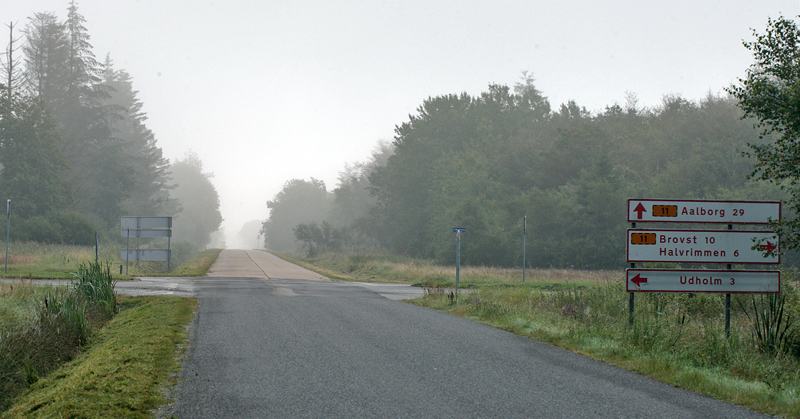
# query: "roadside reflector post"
{"points": [[458, 231], [524, 228], [8, 229]]}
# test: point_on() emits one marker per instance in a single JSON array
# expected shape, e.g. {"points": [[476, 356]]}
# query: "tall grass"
{"points": [[393, 268], [94, 282], [45, 327]]}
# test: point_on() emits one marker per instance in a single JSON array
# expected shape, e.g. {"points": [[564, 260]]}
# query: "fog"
{"points": [[265, 92]]}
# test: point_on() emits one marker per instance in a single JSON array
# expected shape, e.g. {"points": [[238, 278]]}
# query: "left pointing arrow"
{"points": [[638, 280]]}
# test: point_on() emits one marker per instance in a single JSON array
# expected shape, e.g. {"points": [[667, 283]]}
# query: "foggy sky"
{"points": [[267, 91]]}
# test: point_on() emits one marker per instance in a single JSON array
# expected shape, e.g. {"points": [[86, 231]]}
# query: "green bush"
{"points": [[36, 229], [75, 228], [67, 227]]}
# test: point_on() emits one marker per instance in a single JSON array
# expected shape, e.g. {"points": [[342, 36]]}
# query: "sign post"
{"points": [[146, 227], [458, 231], [729, 247]]}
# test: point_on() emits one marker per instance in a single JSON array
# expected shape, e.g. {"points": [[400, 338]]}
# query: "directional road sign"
{"points": [[695, 211], [702, 246], [145, 254], [146, 222], [459, 230], [716, 281], [147, 233]]}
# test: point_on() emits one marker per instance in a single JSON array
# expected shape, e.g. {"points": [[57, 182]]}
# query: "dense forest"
{"points": [[75, 149], [484, 162]]}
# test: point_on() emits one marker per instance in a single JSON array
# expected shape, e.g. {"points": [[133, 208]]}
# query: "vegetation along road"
{"points": [[273, 340]]}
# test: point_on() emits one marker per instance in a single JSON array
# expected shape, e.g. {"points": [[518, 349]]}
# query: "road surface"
{"points": [[274, 340]]}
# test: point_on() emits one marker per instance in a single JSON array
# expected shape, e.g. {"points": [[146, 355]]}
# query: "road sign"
{"points": [[147, 233], [715, 281], [459, 230], [145, 254], [702, 246], [696, 211], [146, 223]]}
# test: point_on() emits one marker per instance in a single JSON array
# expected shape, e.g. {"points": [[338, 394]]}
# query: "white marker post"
{"points": [[458, 231], [8, 229], [524, 228]]}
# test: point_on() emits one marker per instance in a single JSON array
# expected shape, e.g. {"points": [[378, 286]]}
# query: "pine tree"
{"points": [[150, 194]]}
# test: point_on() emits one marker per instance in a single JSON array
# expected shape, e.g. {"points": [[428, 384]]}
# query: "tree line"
{"points": [[484, 162], [75, 149]]}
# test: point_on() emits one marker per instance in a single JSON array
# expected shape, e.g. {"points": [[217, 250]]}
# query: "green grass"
{"points": [[198, 264], [30, 260], [123, 370], [33, 260], [377, 267], [676, 338]]}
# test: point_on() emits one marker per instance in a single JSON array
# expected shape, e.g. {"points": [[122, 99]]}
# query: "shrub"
{"points": [[74, 228], [37, 229], [67, 227]]}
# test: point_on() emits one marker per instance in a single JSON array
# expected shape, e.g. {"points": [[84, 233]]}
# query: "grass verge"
{"points": [[31, 260], [197, 265], [122, 371]]}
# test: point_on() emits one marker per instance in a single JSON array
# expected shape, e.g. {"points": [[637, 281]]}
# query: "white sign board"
{"points": [[694, 211], [715, 281], [702, 246], [132, 223]]}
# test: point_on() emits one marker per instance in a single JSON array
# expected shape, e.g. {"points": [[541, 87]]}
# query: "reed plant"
{"points": [[94, 282]]}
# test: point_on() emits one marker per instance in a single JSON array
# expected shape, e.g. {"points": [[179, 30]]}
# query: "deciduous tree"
{"points": [[770, 92]]}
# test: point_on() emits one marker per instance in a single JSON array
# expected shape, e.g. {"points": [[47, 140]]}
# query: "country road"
{"points": [[274, 340]]}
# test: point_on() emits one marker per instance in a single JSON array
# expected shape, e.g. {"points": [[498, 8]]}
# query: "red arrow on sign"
{"points": [[638, 280], [639, 210], [769, 247]]}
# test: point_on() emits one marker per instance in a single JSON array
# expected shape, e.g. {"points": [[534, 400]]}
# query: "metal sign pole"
{"points": [[630, 294], [169, 251], [127, 249], [524, 228], [728, 303], [138, 228]]}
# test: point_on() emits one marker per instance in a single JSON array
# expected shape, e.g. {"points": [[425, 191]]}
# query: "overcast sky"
{"points": [[267, 91]]}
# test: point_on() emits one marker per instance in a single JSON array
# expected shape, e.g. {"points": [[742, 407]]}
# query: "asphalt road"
{"points": [[284, 342]]}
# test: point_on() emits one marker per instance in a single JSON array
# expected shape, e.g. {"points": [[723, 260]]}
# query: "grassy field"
{"points": [[676, 338], [49, 261], [387, 268], [30, 260]]}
